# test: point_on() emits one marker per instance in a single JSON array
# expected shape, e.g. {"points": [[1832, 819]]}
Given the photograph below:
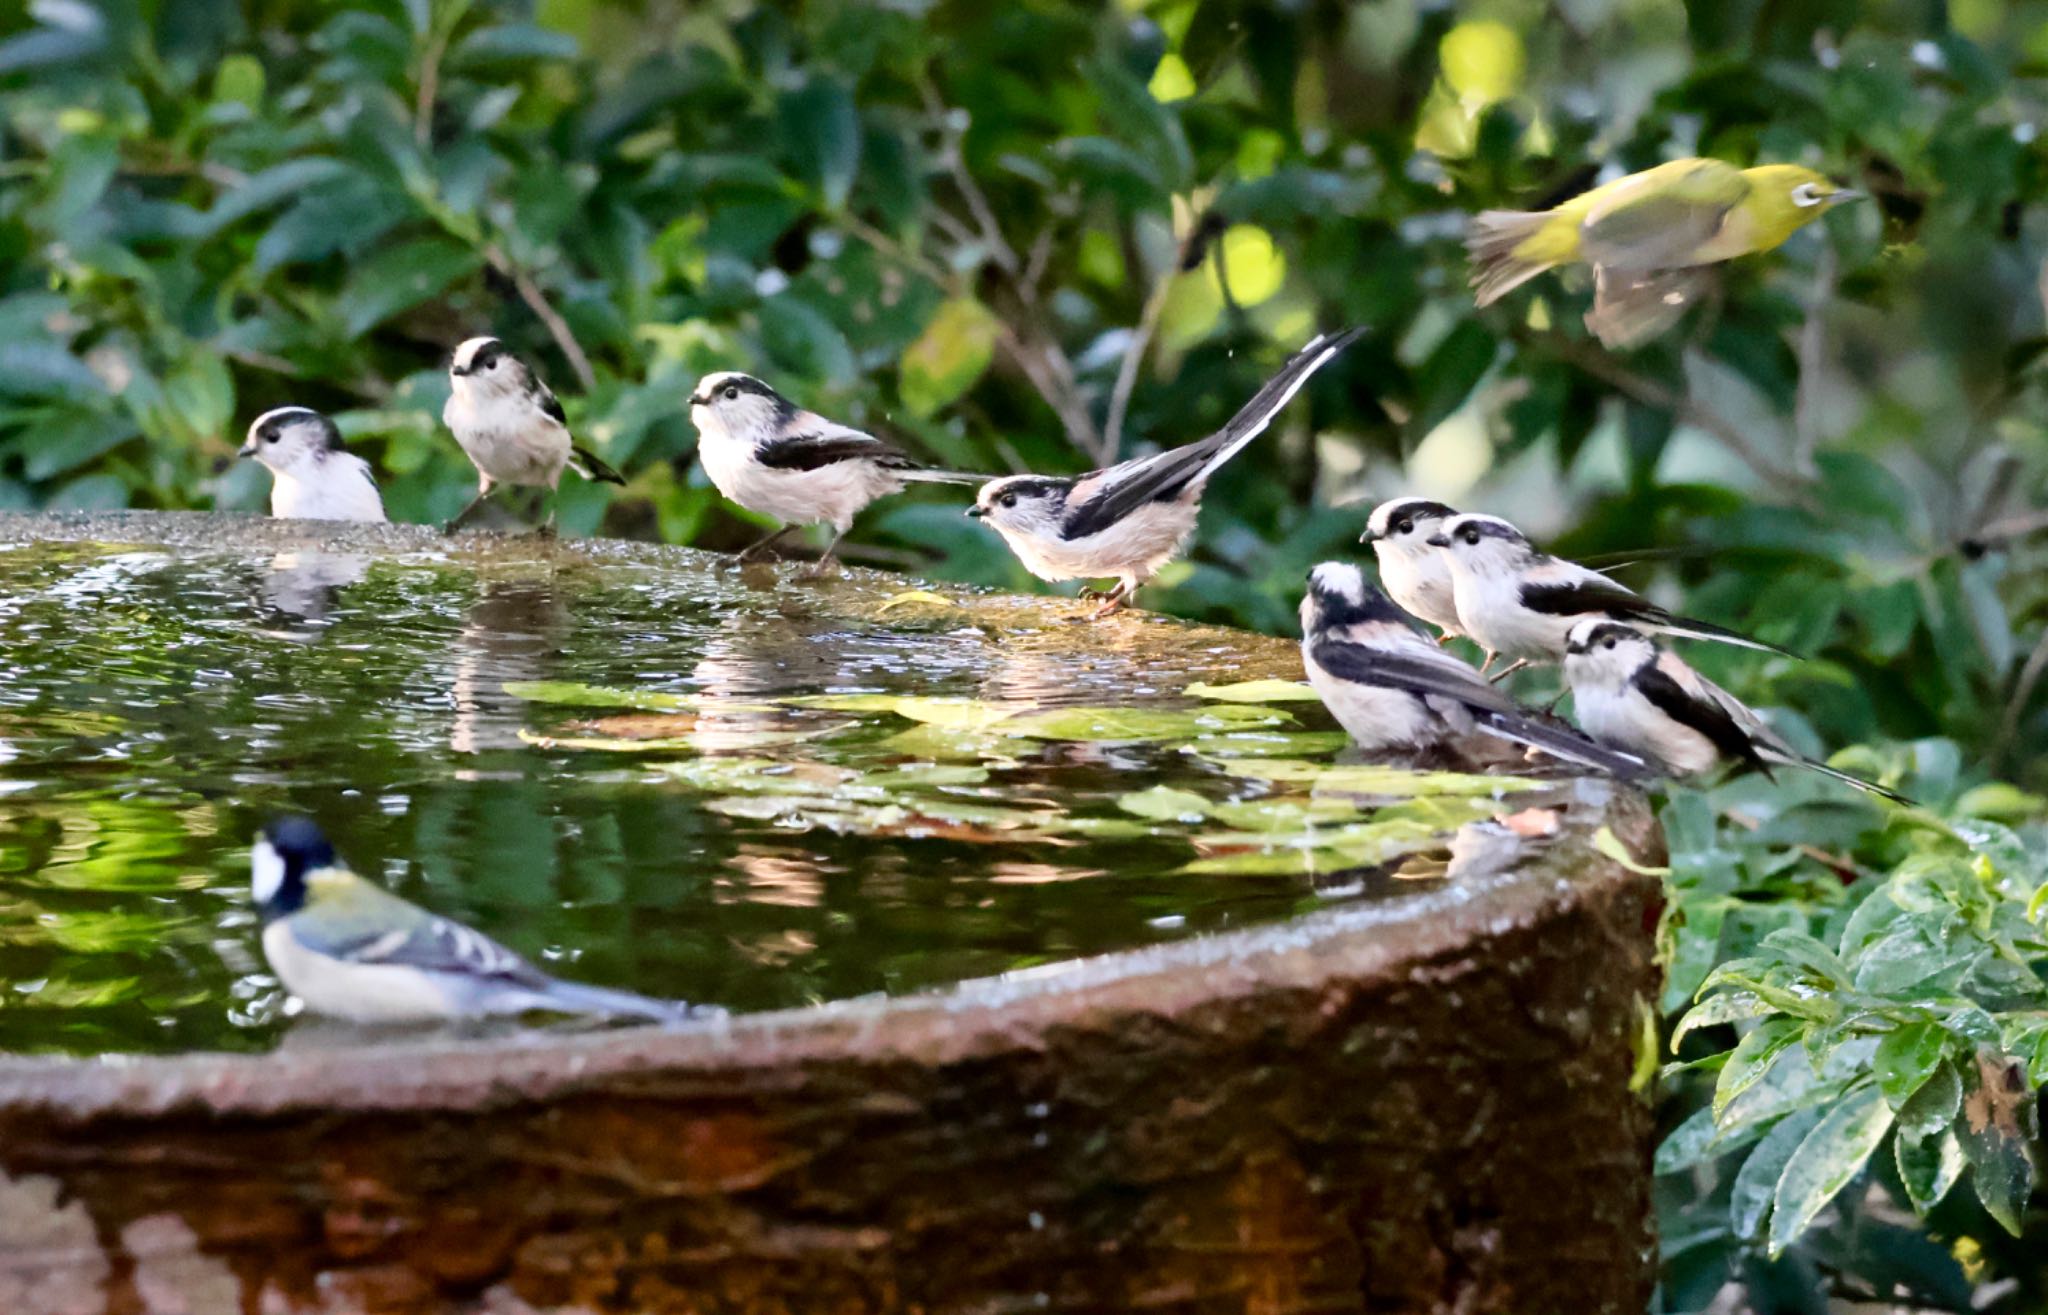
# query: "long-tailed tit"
{"points": [[1391, 688], [1133, 518], [511, 426], [1631, 693], [1415, 574], [771, 456], [312, 476], [1521, 603]]}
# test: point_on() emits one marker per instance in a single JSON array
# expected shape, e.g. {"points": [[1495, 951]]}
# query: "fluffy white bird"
{"points": [[511, 425], [353, 950], [1631, 693], [1518, 602], [1133, 518], [771, 456], [1416, 574], [312, 476], [1391, 688]]}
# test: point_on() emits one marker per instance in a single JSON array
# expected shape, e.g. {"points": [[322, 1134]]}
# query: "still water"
{"points": [[695, 785]]}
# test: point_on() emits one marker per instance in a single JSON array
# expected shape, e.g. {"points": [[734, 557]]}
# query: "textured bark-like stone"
{"points": [[1416, 1106]]}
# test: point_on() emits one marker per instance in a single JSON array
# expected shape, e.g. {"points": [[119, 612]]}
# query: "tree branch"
{"points": [[537, 301], [1127, 370], [1813, 342]]}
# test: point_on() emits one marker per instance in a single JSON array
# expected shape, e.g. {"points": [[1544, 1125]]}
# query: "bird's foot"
{"points": [[823, 568], [1088, 593], [1506, 671], [1111, 605]]}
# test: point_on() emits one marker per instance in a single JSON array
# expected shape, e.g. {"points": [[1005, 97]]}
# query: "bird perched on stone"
{"points": [[1629, 692], [1650, 237], [1519, 602], [1131, 519], [771, 456], [351, 949], [312, 476], [1415, 574], [511, 426], [1391, 688]]}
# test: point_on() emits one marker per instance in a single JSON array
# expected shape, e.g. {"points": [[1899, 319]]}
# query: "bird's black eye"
{"points": [[1610, 643], [272, 436], [732, 392], [1405, 527], [1472, 537], [1008, 499]]}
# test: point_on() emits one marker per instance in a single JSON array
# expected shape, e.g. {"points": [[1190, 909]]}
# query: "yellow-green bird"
{"points": [[1650, 237]]}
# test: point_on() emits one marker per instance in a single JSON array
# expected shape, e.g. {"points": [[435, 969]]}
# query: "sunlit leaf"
{"points": [[1254, 691], [1834, 1152], [953, 351]]}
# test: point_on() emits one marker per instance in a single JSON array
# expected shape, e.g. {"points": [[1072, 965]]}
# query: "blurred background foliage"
{"points": [[1041, 235]]}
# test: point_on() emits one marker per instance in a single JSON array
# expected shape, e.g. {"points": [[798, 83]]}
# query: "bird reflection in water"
{"points": [[307, 584], [512, 632]]}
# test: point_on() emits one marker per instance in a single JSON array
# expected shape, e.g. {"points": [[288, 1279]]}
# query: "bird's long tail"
{"points": [[1253, 417], [1812, 765], [1686, 627], [1498, 243], [585, 463], [924, 476], [1563, 742], [599, 1001]]}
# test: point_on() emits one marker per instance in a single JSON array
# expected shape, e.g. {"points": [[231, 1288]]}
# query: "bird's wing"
{"points": [[365, 923], [1630, 307], [815, 442], [1104, 497], [1416, 673], [544, 398], [1698, 710], [1663, 221], [1567, 589]]}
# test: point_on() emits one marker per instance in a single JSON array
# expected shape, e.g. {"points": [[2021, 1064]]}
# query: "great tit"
{"points": [[511, 425], [1391, 688], [1649, 237], [353, 950], [1131, 519], [771, 456], [1517, 602], [1629, 692], [312, 476]]}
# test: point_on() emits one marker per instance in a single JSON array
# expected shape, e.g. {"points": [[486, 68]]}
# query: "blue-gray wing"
{"points": [[434, 945]]}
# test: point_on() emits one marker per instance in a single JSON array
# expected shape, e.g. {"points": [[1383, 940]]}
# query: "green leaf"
{"points": [[570, 694], [821, 131], [1110, 725], [1906, 1057], [1254, 691], [1933, 1105], [1929, 1166], [1164, 804], [400, 277], [948, 357], [1724, 1007], [1998, 1123], [1753, 1057], [1362, 778], [1834, 1152], [1756, 1185], [279, 183]]}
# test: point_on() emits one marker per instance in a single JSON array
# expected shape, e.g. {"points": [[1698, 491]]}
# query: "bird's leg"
{"points": [[762, 545], [1443, 638], [1487, 661], [546, 529], [1116, 600], [483, 493], [1506, 671], [824, 565]]}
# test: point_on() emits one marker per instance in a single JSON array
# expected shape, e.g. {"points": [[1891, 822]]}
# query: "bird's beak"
{"points": [[1844, 195], [976, 513], [1439, 541], [248, 449], [698, 399], [1368, 536]]}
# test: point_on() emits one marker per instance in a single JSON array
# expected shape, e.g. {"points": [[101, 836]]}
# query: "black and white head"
{"points": [[741, 405], [1339, 598], [287, 849], [1606, 653], [1032, 505], [1405, 525], [487, 366], [292, 440], [1484, 545]]}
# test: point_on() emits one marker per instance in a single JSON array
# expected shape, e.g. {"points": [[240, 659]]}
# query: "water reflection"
{"points": [[755, 857]]}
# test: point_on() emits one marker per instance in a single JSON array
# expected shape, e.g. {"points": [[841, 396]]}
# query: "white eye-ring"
{"points": [[1806, 194]]}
